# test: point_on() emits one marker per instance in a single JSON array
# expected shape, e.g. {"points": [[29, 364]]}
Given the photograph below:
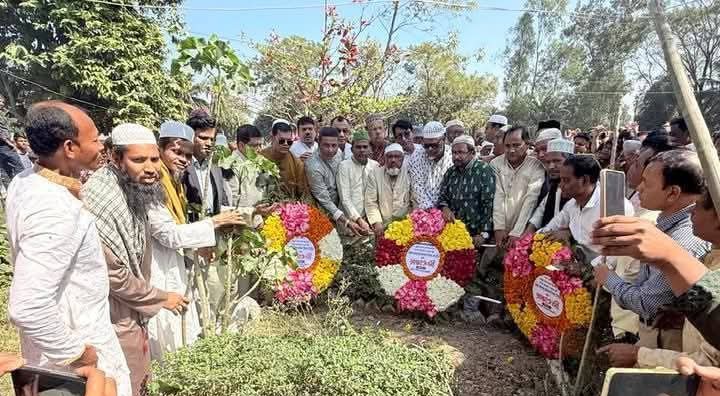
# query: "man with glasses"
{"points": [[342, 124], [293, 181], [404, 136], [427, 169]]}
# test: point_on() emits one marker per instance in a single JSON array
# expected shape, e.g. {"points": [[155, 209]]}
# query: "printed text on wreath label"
{"points": [[422, 259], [305, 251], [547, 296]]}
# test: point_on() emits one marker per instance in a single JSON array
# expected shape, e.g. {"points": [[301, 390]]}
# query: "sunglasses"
{"points": [[284, 142], [405, 134], [431, 146]]}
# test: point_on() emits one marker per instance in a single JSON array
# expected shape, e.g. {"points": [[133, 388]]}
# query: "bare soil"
{"points": [[489, 360]]}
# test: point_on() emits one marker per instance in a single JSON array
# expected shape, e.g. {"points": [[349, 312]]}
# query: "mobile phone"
{"points": [[642, 382], [612, 193], [39, 381]]}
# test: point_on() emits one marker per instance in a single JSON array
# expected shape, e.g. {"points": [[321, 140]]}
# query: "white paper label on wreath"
{"points": [[305, 251], [547, 296], [422, 259]]}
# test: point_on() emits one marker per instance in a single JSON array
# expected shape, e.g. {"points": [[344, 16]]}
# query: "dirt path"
{"points": [[491, 361]]}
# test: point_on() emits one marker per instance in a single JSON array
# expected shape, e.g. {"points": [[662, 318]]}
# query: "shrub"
{"points": [[356, 365]]}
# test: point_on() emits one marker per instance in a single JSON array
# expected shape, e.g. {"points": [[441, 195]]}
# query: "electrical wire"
{"points": [[52, 91]]}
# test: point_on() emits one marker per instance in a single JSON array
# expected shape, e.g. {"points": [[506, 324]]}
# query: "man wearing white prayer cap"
{"points": [[120, 195], [551, 200], [543, 137], [453, 129], [387, 193], [493, 125], [427, 169]]}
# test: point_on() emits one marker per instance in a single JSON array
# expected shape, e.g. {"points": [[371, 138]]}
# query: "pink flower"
{"points": [[566, 283], [295, 218], [562, 255], [545, 339], [517, 259], [297, 288], [427, 222], [413, 297]]}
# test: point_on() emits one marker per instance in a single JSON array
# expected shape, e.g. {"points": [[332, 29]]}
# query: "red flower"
{"points": [[459, 266], [387, 252]]}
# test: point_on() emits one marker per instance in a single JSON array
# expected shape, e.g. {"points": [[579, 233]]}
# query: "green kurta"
{"points": [[469, 192]]}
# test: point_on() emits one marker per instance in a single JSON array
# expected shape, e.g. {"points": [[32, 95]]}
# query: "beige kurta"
{"points": [[132, 302], [292, 174], [516, 193], [693, 344], [386, 198], [351, 181]]}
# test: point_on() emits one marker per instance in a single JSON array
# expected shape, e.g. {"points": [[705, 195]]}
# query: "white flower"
{"points": [[444, 292], [331, 247], [392, 278]]}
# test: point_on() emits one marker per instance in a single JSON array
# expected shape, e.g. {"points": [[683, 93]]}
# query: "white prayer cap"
{"points": [[433, 130], [486, 144], [394, 147], [561, 146], [630, 146], [464, 139], [505, 128], [498, 119], [221, 140], [549, 134], [453, 123], [280, 120], [175, 129], [126, 134]]}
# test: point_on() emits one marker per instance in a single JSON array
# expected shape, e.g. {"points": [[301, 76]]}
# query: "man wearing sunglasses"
{"points": [[427, 169], [405, 136], [293, 181]]}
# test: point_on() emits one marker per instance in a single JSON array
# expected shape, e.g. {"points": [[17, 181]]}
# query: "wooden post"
{"points": [[685, 96]]}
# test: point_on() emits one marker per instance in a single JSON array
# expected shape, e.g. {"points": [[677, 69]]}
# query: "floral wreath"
{"points": [[424, 263], [312, 236], [544, 301]]}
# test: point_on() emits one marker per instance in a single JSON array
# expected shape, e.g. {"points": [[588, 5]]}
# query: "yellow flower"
{"points": [[324, 273], [455, 237], [524, 319], [578, 307], [538, 237], [543, 251], [274, 233], [400, 231]]}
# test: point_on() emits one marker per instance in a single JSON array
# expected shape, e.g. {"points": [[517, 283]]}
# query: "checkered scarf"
{"points": [[120, 231]]}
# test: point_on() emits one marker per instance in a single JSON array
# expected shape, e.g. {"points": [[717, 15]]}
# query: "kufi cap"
{"points": [[221, 140], [561, 146], [127, 134], [175, 129], [453, 123], [394, 147], [360, 134], [464, 139], [505, 128], [498, 119], [549, 134], [433, 130], [630, 146], [486, 144], [280, 120]]}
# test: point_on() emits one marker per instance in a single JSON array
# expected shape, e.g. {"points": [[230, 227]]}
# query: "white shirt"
{"points": [[516, 193], [347, 152], [206, 189], [351, 181], [169, 274], [426, 177], [298, 148], [59, 294], [536, 219], [580, 220]]}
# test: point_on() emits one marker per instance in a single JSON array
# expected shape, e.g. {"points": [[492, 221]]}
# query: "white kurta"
{"points": [[351, 180], [169, 274], [386, 199], [59, 294], [516, 193]]}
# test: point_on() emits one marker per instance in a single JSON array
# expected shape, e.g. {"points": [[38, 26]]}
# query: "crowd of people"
{"points": [[98, 227]]}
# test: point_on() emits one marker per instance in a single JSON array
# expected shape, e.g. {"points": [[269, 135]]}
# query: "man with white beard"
{"points": [[120, 195], [387, 193]]}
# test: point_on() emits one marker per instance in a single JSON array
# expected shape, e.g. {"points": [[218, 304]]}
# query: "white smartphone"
{"points": [[648, 382], [612, 193]]}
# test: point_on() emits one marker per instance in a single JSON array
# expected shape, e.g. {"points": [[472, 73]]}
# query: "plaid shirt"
{"points": [[650, 291]]}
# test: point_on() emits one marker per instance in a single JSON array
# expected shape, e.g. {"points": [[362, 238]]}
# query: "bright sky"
{"points": [[478, 29]]}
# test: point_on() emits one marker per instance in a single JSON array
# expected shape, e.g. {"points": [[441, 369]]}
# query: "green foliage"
{"points": [[358, 274], [107, 55]]}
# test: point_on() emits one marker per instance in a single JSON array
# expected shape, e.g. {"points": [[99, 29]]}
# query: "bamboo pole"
{"points": [[689, 108]]}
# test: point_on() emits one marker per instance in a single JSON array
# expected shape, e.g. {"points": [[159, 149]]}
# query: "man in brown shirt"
{"points": [[293, 181], [119, 196]]}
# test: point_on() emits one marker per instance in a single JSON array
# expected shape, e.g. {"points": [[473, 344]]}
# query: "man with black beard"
{"points": [[119, 196]]}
